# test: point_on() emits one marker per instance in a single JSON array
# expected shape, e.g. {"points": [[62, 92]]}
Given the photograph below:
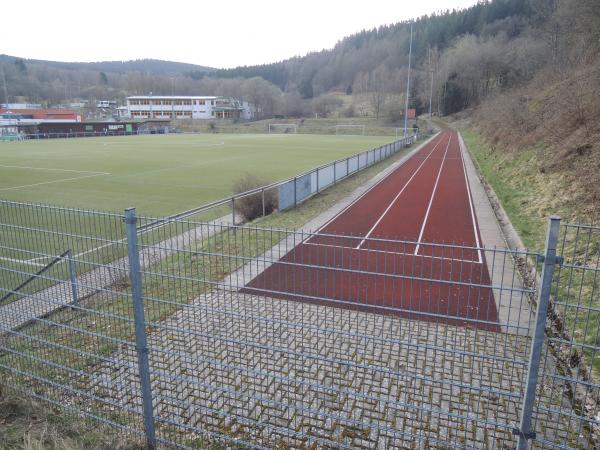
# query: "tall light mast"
{"points": [[430, 84], [408, 83]]}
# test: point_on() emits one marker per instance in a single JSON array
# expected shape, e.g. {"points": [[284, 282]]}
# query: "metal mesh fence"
{"points": [[54, 330], [191, 331], [570, 383]]}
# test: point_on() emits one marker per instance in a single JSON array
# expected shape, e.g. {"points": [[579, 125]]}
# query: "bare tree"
{"points": [[378, 89]]}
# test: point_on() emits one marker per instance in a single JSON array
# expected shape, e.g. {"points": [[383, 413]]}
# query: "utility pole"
{"points": [[430, 85], [408, 83], [5, 89]]}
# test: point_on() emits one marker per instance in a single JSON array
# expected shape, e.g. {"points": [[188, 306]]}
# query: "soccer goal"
{"points": [[350, 130], [400, 132], [283, 128]]}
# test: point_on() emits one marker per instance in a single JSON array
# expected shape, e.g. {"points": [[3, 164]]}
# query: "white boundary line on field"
{"points": [[53, 169], [365, 193], [54, 181], [23, 261], [397, 197], [196, 144]]}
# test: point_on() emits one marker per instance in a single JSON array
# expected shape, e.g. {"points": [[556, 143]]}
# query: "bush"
{"points": [[250, 206]]}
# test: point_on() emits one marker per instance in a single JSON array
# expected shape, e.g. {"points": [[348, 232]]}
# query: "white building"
{"points": [[21, 105], [187, 107]]}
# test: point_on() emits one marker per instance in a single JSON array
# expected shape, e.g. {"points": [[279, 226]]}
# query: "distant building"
{"points": [[188, 107], [38, 115], [106, 104], [21, 105], [90, 128], [123, 113]]}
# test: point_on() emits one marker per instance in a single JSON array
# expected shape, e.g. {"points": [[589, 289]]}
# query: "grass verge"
{"points": [[529, 196], [30, 425]]}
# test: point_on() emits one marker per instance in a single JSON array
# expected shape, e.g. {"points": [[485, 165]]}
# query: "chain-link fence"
{"points": [[187, 332]]}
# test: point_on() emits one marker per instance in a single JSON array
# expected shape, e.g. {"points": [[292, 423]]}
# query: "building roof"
{"points": [[41, 114], [173, 97]]}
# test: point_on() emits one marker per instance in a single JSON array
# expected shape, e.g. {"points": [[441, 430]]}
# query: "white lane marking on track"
{"points": [[54, 181], [392, 253], [396, 198], [366, 192], [431, 198], [55, 170], [470, 204]]}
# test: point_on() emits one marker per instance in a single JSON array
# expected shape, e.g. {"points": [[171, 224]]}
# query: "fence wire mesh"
{"points": [[278, 338], [570, 390]]}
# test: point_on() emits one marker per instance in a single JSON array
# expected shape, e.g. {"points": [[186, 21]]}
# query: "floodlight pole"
{"points": [[408, 83], [5, 89], [430, 86]]}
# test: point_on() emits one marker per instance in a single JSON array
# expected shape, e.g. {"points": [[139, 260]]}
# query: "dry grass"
{"points": [[251, 206], [557, 117], [28, 425]]}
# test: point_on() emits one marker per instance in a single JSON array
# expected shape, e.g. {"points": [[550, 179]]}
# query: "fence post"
{"points": [[317, 180], [295, 193], [233, 210], [263, 202], [135, 278], [73, 277], [550, 260]]}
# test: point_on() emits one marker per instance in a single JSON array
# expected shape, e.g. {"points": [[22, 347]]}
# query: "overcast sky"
{"points": [[213, 33]]}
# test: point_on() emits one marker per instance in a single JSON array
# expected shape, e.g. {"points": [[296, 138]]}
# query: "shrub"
{"points": [[251, 206]]}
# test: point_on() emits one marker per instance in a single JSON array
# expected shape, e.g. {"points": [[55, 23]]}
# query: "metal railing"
{"points": [[265, 337], [291, 192]]}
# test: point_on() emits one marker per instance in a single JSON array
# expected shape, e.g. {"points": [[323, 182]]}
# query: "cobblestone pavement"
{"points": [[289, 374]]}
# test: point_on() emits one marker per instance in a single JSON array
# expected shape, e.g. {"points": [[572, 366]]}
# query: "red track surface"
{"points": [[383, 263]]}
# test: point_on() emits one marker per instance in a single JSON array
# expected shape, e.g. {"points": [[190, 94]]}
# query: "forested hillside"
{"points": [[494, 48], [368, 62], [386, 48], [148, 66]]}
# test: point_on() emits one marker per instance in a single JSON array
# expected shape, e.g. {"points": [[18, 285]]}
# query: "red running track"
{"points": [[376, 255]]}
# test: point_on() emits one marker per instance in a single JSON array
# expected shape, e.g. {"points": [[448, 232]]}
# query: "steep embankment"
{"points": [[539, 148]]}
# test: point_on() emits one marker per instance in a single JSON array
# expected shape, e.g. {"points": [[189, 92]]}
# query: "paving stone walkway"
{"points": [[290, 374]]}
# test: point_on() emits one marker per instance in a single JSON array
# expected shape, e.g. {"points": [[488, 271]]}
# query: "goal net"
{"points": [[400, 133], [283, 128], [350, 130]]}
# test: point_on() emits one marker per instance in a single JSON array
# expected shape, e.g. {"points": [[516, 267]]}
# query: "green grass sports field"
{"points": [[159, 174]]}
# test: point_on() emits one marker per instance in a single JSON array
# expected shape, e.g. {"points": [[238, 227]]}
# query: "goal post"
{"points": [[400, 132], [350, 130], [283, 128]]}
